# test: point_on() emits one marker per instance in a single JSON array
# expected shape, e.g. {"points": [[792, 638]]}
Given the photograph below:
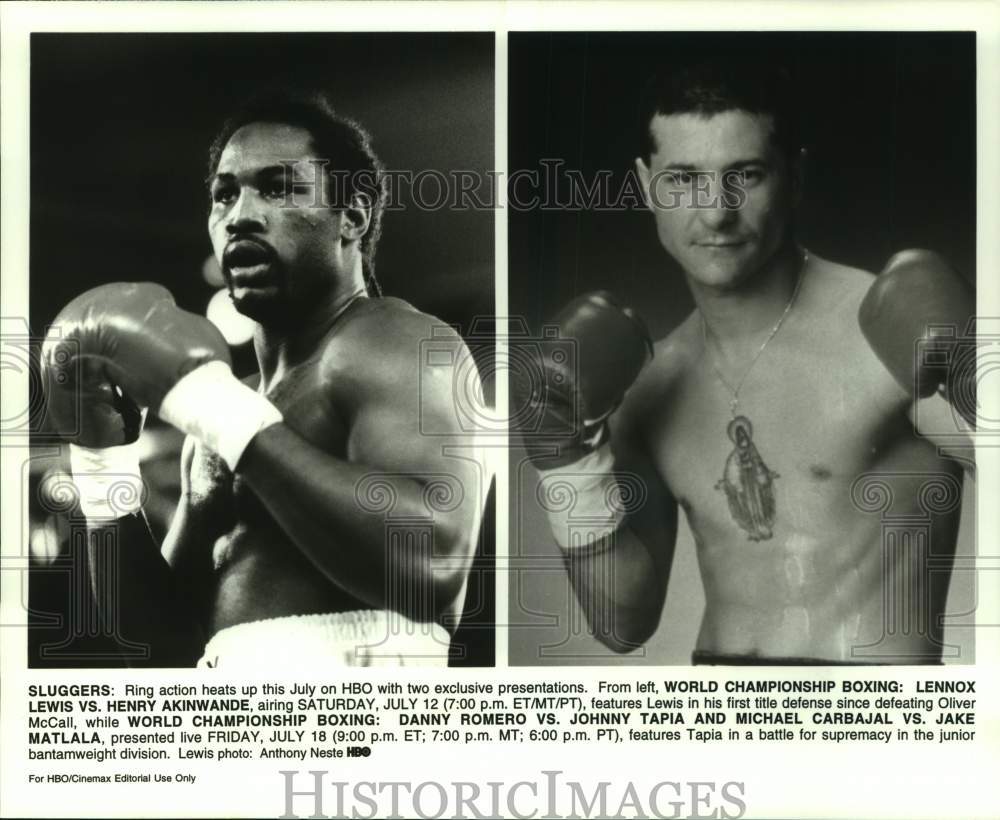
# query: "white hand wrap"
{"points": [[582, 500], [108, 480], [215, 407]]}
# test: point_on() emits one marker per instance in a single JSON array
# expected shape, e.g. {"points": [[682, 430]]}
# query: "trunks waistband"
{"points": [[321, 641], [702, 658]]}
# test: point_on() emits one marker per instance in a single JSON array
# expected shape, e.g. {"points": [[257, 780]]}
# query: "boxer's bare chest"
{"points": [[705, 452], [305, 402], [784, 461], [775, 493]]}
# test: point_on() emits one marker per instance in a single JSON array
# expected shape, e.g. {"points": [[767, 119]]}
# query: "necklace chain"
{"points": [[735, 400]]}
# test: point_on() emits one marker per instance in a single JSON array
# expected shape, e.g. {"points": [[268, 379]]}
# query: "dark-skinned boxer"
{"points": [[793, 378], [279, 555]]}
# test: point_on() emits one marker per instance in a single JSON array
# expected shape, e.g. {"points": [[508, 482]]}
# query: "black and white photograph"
{"points": [[748, 263], [476, 408], [262, 322]]}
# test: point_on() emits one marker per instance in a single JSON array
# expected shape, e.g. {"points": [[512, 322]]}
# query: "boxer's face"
{"points": [[277, 241], [722, 194]]}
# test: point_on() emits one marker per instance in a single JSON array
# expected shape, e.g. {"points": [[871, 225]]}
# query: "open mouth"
{"points": [[246, 258]]}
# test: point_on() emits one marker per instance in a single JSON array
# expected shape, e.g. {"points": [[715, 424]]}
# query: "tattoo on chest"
{"points": [[748, 483]]}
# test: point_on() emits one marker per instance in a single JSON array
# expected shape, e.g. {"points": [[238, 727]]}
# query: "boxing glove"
{"points": [[132, 337], [915, 316], [593, 351], [115, 348], [590, 355]]}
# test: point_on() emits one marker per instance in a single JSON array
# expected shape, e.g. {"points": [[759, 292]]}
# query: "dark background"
{"points": [[888, 121], [120, 129]]}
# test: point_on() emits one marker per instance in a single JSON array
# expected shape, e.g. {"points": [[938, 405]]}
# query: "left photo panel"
{"points": [[262, 335]]}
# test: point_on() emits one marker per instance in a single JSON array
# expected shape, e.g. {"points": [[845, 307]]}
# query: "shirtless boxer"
{"points": [[791, 380], [315, 526]]}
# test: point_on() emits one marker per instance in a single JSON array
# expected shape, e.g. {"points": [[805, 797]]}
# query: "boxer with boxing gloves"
{"points": [[777, 415], [281, 553]]}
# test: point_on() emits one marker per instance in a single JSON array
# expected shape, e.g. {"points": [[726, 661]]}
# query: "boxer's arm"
{"points": [[137, 597], [141, 601], [361, 520], [621, 582], [187, 547]]}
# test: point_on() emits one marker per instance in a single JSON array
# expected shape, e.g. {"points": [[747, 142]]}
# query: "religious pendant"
{"points": [[748, 483]]}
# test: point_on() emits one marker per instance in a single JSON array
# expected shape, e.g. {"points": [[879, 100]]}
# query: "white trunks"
{"points": [[331, 640]]}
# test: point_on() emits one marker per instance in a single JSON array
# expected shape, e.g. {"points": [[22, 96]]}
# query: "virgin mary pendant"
{"points": [[748, 483]]}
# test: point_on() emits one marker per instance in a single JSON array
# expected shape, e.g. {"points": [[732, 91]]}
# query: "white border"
{"points": [[896, 782]]}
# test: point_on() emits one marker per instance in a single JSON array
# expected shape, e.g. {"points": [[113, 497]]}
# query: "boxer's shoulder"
{"points": [[382, 341], [823, 322], [391, 321], [826, 330], [675, 358], [834, 290], [385, 325]]}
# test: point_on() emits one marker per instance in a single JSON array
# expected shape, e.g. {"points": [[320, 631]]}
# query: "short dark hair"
{"points": [[708, 87], [336, 138]]}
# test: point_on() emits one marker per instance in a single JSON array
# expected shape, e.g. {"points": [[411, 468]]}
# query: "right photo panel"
{"points": [[741, 280]]}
